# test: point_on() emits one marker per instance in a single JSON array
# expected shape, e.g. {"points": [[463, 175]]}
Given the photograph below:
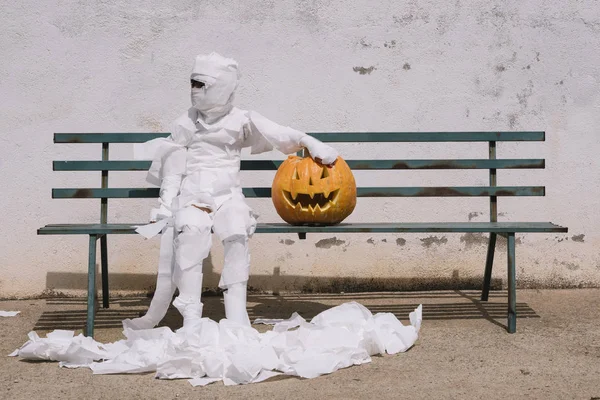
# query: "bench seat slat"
{"points": [[271, 165], [369, 137], [264, 192], [496, 227]]}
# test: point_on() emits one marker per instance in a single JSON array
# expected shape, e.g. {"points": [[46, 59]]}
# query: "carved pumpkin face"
{"points": [[306, 192]]}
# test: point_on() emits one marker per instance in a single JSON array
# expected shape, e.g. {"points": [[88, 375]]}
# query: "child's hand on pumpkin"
{"points": [[319, 151]]}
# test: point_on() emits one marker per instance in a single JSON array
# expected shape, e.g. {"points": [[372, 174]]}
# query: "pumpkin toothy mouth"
{"points": [[310, 202]]}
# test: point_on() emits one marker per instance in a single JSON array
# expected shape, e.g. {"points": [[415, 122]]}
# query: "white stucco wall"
{"points": [[101, 66]]}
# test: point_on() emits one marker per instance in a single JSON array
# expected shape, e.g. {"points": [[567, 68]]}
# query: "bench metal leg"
{"points": [[489, 262], [91, 298], [512, 293], [104, 261]]}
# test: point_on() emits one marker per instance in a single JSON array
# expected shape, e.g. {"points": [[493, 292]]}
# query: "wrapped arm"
{"points": [[168, 157], [171, 173], [262, 134], [319, 150]]}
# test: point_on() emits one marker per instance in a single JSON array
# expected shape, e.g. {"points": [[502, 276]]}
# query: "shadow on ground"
{"points": [[449, 305]]}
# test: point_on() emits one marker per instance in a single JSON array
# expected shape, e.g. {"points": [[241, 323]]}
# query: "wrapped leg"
{"points": [[188, 302], [234, 278], [235, 303], [234, 223], [192, 246]]}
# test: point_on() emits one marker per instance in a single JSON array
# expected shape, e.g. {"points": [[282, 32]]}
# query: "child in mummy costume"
{"points": [[197, 168]]}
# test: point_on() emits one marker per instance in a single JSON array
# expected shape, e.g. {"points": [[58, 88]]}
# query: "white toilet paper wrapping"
{"points": [[337, 338], [9, 313]]}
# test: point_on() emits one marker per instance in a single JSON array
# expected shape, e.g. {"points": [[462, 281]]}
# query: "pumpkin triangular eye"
{"points": [[296, 176], [324, 173]]}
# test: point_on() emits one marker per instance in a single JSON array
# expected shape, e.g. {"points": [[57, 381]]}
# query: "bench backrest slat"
{"points": [[271, 165], [367, 137]]}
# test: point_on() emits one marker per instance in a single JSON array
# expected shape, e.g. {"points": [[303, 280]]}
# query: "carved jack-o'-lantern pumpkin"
{"points": [[306, 192]]}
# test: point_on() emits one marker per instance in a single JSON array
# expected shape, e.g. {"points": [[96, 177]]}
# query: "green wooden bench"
{"points": [[101, 230]]}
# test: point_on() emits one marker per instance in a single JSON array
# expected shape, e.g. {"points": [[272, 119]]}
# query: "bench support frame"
{"points": [[92, 295], [511, 326], [103, 240], [489, 262], [512, 292]]}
